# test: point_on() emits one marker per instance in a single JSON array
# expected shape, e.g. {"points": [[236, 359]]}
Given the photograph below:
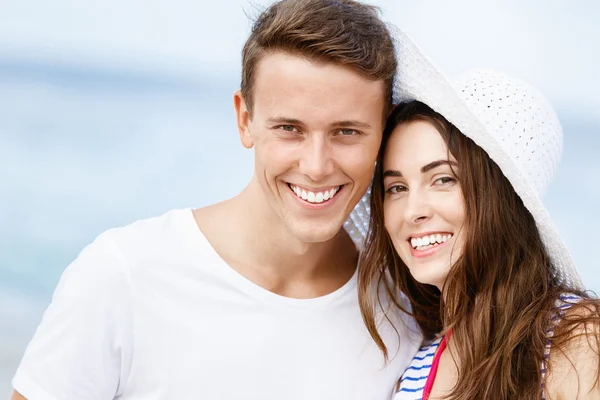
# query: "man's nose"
{"points": [[316, 160]]}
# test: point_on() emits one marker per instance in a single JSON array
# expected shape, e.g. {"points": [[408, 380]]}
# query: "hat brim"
{"points": [[418, 79]]}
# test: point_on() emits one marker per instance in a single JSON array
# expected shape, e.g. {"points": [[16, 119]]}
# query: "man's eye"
{"points": [[287, 128], [347, 132]]}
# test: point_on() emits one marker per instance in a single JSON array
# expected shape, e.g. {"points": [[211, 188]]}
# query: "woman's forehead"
{"points": [[414, 144]]}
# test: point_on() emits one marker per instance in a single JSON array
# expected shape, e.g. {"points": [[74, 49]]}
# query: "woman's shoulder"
{"points": [[574, 359]]}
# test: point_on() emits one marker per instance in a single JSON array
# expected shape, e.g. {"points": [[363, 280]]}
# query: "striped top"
{"points": [[412, 382]]}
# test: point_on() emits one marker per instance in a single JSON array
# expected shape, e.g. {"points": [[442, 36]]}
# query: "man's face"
{"points": [[316, 128]]}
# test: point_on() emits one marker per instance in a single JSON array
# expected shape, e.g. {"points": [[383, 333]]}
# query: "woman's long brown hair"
{"points": [[500, 293]]}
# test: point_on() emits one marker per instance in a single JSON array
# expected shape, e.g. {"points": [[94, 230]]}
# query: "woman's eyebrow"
{"points": [[426, 168], [435, 164], [393, 173]]}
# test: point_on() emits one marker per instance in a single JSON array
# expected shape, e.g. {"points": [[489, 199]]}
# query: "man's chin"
{"points": [[316, 233]]}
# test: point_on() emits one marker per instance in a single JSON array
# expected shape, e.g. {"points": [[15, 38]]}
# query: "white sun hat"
{"points": [[508, 118]]}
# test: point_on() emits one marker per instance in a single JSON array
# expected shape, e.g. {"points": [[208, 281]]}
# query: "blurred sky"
{"points": [[112, 111], [553, 43]]}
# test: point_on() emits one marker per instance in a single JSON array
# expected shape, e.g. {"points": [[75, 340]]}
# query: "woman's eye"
{"points": [[445, 180], [395, 189]]}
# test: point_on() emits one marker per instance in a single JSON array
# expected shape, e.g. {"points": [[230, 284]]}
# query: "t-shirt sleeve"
{"points": [[83, 346]]}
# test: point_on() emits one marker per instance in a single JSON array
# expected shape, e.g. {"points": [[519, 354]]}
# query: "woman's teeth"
{"points": [[314, 197], [429, 241]]}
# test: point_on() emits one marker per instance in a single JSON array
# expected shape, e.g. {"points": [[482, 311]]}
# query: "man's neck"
{"points": [[253, 241]]}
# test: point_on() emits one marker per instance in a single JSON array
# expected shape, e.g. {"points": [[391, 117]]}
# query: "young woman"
{"points": [[457, 224]]}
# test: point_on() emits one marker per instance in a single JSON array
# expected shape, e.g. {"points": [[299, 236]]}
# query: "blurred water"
{"points": [[85, 150]]}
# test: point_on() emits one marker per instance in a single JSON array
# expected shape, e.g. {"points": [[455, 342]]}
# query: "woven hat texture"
{"points": [[505, 116]]}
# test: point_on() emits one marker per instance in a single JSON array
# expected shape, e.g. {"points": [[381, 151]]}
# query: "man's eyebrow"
{"points": [[284, 120], [295, 121], [426, 168], [349, 122]]}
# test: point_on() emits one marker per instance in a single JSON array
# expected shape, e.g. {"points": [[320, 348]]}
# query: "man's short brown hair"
{"points": [[343, 32]]}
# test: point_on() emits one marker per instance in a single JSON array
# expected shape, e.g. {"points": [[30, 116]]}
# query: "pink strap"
{"points": [[434, 368]]}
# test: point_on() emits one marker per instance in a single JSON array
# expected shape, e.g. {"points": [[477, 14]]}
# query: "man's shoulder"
{"points": [[146, 238], [170, 223]]}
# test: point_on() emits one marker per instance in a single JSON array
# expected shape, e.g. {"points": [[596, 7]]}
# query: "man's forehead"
{"points": [[302, 71], [288, 86]]}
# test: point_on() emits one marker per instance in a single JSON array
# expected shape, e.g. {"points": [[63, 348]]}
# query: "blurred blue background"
{"points": [[111, 111]]}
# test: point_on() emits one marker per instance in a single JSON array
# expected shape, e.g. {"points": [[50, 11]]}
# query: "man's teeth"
{"points": [[314, 197], [427, 242]]}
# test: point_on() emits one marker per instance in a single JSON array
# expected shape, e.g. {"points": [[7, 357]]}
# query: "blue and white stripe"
{"points": [[414, 378]]}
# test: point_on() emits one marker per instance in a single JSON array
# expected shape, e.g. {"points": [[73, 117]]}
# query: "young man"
{"points": [[254, 297]]}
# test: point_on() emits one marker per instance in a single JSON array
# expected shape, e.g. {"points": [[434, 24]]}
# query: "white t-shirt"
{"points": [[150, 311]]}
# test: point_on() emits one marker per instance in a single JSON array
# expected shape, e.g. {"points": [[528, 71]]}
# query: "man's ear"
{"points": [[243, 119]]}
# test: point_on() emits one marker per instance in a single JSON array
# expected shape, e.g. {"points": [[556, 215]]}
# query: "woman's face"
{"points": [[424, 209]]}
